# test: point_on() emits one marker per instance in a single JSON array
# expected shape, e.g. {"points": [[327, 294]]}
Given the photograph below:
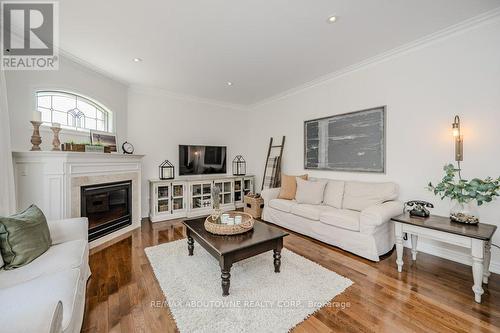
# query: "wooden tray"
{"points": [[215, 227]]}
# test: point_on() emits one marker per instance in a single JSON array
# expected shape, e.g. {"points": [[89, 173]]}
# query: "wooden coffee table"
{"points": [[230, 249]]}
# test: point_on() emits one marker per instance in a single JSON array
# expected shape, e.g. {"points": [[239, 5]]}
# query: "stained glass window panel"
{"points": [[72, 111]]}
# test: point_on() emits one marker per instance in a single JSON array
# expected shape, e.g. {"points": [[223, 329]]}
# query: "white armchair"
{"points": [[48, 294]]}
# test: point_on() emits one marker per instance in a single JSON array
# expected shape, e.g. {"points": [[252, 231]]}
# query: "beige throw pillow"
{"points": [[289, 186], [334, 193], [361, 195], [310, 192]]}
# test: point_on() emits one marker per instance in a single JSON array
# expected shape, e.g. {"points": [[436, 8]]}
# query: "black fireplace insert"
{"points": [[108, 207]]}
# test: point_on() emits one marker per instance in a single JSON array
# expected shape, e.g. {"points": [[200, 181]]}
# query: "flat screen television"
{"points": [[201, 160]]}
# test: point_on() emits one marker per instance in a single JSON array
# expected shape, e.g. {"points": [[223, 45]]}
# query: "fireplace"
{"points": [[107, 206]]}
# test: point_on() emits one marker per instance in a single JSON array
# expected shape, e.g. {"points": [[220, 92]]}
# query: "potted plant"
{"points": [[465, 195]]}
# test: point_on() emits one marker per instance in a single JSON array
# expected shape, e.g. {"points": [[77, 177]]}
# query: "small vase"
{"points": [[464, 212]]}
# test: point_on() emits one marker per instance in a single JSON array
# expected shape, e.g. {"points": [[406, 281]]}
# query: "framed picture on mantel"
{"points": [[103, 138], [352, 141]]}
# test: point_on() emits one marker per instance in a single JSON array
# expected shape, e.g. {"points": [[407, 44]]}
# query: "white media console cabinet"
{"points": [[192, 196]]}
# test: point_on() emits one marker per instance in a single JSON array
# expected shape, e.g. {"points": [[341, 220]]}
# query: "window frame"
{"points": [[107, 113]]}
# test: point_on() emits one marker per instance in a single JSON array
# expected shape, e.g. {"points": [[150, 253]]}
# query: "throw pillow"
{"points": [[361, 195], [334, 193], [289, 186], [310, 192], [23, 237]]}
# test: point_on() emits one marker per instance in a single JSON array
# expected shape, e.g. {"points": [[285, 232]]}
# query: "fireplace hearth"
{"points": [[108, 207]]}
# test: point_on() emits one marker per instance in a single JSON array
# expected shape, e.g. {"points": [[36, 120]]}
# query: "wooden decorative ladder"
{"points": [[276, 160]]}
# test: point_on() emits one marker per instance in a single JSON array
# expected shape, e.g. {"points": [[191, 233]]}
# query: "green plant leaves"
{"points": [[481, 190]]}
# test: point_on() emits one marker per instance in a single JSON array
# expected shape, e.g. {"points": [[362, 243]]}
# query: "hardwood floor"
{"points": [[432, 294]]}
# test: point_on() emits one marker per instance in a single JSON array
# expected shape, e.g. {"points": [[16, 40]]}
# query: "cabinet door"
{"points": [[238, 190], [227, 194], [201, 195], [178, 197], [248, 185], [162, 198]]}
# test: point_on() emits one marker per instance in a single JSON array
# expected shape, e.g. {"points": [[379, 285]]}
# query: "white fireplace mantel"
{"points": [[51, 180]]}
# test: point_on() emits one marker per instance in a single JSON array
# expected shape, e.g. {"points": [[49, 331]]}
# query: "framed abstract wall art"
{"points": [[352, 141]]}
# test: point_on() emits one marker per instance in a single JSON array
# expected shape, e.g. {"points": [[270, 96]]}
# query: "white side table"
{"points": [[477, 238]]}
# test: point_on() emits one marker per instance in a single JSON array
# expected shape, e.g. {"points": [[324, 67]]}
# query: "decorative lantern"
{"points": [[239, 166], [166, 170]]}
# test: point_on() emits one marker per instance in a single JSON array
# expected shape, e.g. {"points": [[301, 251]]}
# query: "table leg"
{"points": [[190, 245], [277, 256], [399, 245], [225, 266], [487, 257], [277, 260], [477, 268], [414, 239]]}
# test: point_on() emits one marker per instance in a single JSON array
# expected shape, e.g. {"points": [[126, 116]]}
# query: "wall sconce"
{"points": [[459, 140]]}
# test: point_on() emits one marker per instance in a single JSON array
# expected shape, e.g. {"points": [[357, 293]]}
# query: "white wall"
{"points": [[159, 122], [423, 90], [73, 77]]}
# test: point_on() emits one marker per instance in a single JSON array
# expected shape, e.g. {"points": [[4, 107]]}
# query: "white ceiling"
{"points": [[264, 47]]}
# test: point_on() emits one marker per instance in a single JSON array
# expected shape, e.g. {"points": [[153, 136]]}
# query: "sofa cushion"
{"points": [[282, 204], [342, 218], [59, 257], [361, 195], [289, 186], [334, 193], [310, 192], [23, 237], [311, 212]]}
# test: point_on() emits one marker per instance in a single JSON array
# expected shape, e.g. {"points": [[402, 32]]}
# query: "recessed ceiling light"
{"points": [[332, 19], [137, 59], [229, 83]]}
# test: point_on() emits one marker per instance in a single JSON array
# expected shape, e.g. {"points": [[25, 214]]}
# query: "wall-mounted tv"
{"points": [[201, 160]]}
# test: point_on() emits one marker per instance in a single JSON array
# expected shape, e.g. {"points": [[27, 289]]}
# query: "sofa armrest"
{"points": [[377, 215], [62, 231], [269, 194], [21, 312]]}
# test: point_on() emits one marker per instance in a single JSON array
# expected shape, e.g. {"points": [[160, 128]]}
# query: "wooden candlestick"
{"points": [[56, 144], [36, 139]]}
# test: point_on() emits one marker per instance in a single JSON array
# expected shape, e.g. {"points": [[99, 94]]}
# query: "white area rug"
{"points": [[259, 301]]}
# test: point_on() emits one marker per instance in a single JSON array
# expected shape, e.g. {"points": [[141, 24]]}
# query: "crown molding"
{"points": [[91, 67], [453, 30], [143, 89]]}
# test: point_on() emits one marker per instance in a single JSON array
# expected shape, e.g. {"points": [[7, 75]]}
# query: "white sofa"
{"points": [[48, 294], [354, 216]]}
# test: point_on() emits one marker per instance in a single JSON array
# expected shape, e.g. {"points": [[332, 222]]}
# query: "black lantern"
{"points": [[166, 170], [239, 166]]}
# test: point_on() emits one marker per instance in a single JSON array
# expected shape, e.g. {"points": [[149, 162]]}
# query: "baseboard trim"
{"points": [[442, 252]]}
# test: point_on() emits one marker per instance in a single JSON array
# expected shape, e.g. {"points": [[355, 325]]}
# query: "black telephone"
{"points": [[418, 208]]}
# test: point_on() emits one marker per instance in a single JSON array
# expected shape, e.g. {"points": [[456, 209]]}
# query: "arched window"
{"points": [[73, 111]]}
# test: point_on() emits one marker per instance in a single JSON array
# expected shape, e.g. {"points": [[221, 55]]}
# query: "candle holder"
{"points": [[56, 144], [36, 139]]}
